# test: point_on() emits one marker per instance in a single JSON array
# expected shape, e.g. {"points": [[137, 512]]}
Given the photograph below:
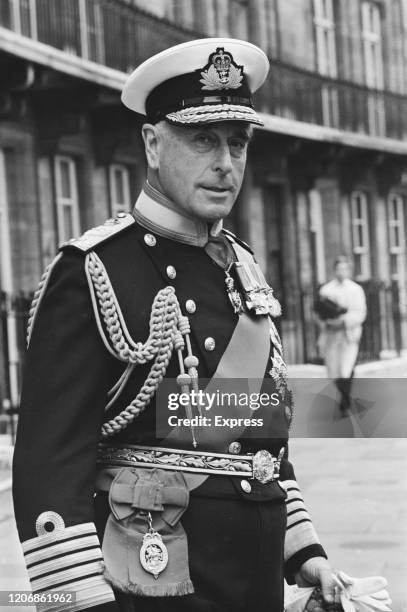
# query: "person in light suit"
{"points": [[340, 335]]}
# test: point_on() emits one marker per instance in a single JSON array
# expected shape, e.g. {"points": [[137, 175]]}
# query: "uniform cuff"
{"points": [[295, 562], [69, 560], [301, 540]]}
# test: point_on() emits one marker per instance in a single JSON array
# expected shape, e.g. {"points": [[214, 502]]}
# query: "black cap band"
{"points": [[186, 91]]}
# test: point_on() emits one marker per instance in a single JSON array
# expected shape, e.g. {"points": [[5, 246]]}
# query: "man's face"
{"points": [[342, 271], [201, 168]]}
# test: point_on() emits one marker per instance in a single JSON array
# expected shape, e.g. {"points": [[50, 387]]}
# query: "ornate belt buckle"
{"points": [[264, 465]]}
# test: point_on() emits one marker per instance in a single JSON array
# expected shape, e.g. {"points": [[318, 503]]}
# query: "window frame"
{"points": [[324, 24], [116, 206], [372, 37], [62, 202], [326, 58], [372, 50], [363, 250], [238, 17], [316, 227], [399, 221]]}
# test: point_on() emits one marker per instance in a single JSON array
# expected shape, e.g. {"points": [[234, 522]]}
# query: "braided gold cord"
{"points": [[126, 349], [170, 310], [163, 328]]}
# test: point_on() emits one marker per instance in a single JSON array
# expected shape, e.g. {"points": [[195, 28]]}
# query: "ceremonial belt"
{"points": [[261, 466]]}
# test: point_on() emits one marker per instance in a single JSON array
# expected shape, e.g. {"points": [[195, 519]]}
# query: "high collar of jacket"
{"points": [[157, 213]]}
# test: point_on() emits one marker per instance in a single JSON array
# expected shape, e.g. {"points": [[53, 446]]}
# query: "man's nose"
{"points": [[223, 160]]}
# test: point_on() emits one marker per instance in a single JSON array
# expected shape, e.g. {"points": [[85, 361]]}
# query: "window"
{"points": [[373, 59], [8, 331], [238, 18], [317, 236], [6, 275], [20, 16], [92, 34], [222, 17], [326, 58], [179, 11], [360, 235], [395, 215], [119, 189], [204, 17], [67, 204], [325, 37], [372, 45], [399, 46]]}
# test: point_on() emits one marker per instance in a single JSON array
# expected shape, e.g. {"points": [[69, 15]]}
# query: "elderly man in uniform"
{"points": [[197, 518]]}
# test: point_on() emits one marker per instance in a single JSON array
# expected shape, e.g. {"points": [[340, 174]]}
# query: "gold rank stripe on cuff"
{"points": [[68, 559], [61, 548], [300, 531]]}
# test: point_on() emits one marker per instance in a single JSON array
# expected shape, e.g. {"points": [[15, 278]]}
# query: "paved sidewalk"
{"points": [[385, 368], [356, 492]]}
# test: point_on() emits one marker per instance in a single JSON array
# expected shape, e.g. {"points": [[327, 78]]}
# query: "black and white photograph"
{"points": [[203, 305]]}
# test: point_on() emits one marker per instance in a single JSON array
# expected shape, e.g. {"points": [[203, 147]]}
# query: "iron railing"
{"points": [[109, 32], [14, 312], [121, 36], [303, 95], [381, 330]]}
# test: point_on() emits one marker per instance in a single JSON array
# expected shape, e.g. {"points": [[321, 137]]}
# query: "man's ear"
{"points": [[151, 138]]}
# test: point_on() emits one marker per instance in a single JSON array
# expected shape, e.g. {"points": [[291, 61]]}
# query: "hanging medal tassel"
{"points": [[191, 362], [153, 552], [233, 294], [184, 381]]}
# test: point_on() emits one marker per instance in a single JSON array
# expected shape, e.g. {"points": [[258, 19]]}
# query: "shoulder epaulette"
{"points": [[232, 237], [100, 233]]}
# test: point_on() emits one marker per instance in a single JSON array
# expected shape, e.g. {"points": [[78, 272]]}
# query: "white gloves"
{"points": [[362, 594], [353, 594]]}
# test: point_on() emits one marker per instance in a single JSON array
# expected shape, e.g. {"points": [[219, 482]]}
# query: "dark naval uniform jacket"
{"points": [[93, 301]]}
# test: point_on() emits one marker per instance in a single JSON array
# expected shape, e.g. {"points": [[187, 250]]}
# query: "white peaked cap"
{"points": [[198, 82]]}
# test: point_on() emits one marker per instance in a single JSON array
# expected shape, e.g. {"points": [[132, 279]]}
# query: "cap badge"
{"points": [[221, 71]]}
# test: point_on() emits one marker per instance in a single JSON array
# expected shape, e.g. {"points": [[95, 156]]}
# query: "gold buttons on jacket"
{"points": [[210, 344], [190, 306], [171, 272], [235, 448], [150, 240], [246, 486]]}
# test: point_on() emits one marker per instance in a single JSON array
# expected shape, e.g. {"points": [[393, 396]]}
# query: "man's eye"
{"points": [[204, 142], [238, 146], [203, 138]]}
